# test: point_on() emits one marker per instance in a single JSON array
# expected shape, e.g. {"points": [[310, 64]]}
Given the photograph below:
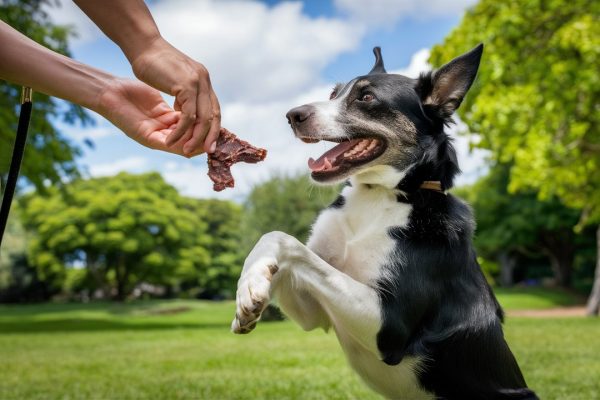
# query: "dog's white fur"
{"points": [[326, 114], [330, 282]]}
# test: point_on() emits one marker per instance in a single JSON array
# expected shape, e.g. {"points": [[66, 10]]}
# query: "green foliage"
{"points": [[13, 246], [535, 103], [129, 229], [516, 222], [510, 224], [284, 203], [184, 350], [49, 155], [19, 281], [222, 219]]}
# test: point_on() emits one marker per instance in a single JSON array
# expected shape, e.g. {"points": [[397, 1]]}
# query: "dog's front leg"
{"points": [[280, 266]]}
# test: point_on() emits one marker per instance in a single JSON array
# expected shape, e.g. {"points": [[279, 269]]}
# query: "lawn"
{"points": [[183, 349], [528, 298]]}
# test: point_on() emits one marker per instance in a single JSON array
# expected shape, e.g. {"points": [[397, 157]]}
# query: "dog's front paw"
{"points": [[253, 295]]}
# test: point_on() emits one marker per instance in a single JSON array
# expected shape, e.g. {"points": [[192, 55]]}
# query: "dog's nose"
{"points": [[299, 114]]}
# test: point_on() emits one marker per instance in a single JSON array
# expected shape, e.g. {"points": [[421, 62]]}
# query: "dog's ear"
{"points": [[378, 68], [444, 89]]}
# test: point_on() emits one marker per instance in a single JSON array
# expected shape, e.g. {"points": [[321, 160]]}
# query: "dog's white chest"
{"points": [[355, 238]]}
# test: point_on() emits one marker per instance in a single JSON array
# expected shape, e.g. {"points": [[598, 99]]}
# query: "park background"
{"points": [[119, 263]]}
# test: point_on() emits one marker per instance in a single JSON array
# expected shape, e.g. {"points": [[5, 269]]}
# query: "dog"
{"points": [[390, 265]]}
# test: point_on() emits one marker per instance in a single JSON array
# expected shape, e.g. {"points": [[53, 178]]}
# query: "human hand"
{"points": [[167, 69], [141, 112]]}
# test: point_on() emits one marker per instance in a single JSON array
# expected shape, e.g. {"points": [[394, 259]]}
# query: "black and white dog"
{"points": [[390, 266]]}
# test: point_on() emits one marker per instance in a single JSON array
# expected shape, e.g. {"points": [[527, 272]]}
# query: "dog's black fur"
{"points": [[436, 302]]}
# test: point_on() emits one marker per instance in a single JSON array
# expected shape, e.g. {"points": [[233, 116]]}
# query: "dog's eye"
{"points": [[333, 95], [367, 97]]}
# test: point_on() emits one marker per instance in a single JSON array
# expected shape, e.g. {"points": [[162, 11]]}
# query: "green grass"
{"points": [[183, 350], [536, 298]]}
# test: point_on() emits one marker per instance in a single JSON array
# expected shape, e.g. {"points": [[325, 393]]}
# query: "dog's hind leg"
{"points": [[309, 290]]}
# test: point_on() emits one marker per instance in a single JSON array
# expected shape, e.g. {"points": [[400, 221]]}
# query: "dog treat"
{"points": [[230, 150]]}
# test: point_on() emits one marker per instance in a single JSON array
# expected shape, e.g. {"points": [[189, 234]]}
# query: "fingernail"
{"points": [[213, 147]]}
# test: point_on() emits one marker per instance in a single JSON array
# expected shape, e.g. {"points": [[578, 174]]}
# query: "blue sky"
{"points": [[264, 58]]}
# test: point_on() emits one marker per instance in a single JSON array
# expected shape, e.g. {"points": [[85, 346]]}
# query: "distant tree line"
{"points": [[534, 105], [135, 235], [522, 239]]}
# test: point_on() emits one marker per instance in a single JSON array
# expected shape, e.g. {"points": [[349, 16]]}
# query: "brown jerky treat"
{"points": [[230, 150]]}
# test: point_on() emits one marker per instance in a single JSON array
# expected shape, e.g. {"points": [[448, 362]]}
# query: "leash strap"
{"points": [[17, 157]]}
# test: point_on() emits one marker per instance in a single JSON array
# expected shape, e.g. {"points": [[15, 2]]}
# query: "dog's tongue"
{"points": [[327, 160]]}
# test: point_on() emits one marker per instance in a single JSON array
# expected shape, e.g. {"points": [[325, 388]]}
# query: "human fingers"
{"points": [[203, 123], [176, 105], [186, 102], [210, 142]]}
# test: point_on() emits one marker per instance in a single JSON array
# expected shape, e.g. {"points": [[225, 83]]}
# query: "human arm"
{"points": [[131, 26], [134, 107]]}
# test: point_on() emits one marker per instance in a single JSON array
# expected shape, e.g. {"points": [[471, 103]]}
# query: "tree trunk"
{"points": [[98, 273], [593, 305], [560, 249], [507, 267], [121, 277], [561, 261]]}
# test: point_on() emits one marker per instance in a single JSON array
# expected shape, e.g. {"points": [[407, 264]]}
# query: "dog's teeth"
{"points": [[327, 163], [361, 145]]}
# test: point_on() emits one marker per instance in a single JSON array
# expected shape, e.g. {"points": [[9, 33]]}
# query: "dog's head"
{"points": [[388, 126]]}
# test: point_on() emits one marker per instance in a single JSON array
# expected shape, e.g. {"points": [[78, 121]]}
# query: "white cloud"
{"points": [[100, 129], [263, 61], [472, 162], [67, 13], [191, 179], [264, 125], [255, 52], [387, 12], [418, 63], [131, 164], [99, 132]]}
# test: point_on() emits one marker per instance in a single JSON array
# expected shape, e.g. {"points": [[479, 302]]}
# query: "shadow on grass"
{"points": [[99, 325]]}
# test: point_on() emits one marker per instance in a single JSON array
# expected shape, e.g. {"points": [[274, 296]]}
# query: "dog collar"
{"points": [[436, 186]]}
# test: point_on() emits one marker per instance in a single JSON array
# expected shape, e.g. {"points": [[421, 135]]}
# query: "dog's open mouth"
{"points": [[347, 154]]}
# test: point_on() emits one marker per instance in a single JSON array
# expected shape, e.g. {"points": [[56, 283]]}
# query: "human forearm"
{"points": [[156, 62], [27, 63], [128, 23], [132, 106]]}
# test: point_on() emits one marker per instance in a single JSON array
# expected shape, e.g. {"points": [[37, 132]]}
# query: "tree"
{"points": [[285, 203], [124, 230], [520, 223], [49, 155], [223, 235], [19, 281], [535, 104], [14, 246]]}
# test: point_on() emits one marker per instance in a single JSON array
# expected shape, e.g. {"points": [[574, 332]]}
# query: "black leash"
{"points": [[17, 157]]}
